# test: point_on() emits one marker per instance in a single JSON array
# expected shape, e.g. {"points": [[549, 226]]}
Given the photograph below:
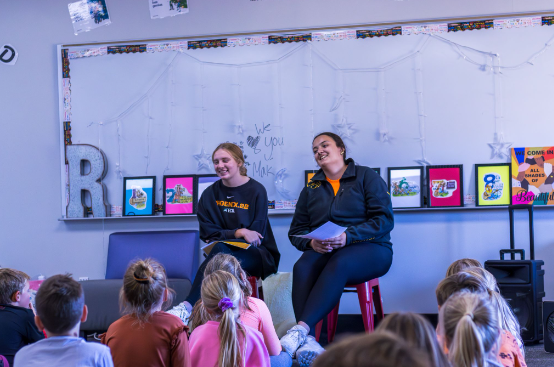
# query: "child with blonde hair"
{"points": [[147, 336], [459, 265], [470, 330], [418, 333], [253, 311], [237, 344]]}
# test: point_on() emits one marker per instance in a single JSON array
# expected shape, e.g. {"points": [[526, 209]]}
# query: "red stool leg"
{"points": [[318, 327], [254, 283], [377, 300], [366, 306], [332, 319]]}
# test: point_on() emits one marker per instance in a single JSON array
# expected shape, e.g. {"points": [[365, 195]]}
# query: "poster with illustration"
{"points": [[88, 14], [532, 176], [405, 185], [202, 183], [493, 184], [167, 8], [178, 194], [445, 185], [138, 195]]}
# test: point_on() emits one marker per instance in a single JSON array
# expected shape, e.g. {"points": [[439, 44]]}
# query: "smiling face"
{"points": [[225, 165], [326, 152]]}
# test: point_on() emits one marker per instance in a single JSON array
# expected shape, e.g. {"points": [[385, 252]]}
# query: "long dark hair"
{"points": [[337, 139]]}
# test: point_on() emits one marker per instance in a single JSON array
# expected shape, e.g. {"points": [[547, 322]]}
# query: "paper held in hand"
{"points": [[210, 245], [328, 230]]}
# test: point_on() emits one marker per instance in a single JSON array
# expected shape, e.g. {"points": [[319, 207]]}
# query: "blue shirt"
{"points": [[64, 351]]}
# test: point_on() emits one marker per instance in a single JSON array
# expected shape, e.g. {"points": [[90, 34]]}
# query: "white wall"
{"points": [[33, 240]]}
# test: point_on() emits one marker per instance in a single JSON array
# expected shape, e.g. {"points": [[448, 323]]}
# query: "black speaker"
{"points": [[521, 283], [548, 325]]}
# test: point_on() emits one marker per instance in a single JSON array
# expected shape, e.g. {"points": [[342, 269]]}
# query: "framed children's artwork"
{"points": [[378, 170], [308, 175], [405, 185], [445, 185], [139, 195], [202, 183], [493, 183], [180, 195]]}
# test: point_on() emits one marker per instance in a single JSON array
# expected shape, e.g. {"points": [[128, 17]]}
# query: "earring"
{"points": [[341, 153]]}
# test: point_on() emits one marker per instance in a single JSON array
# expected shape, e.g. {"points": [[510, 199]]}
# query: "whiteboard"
{"points": [[398, 101]]}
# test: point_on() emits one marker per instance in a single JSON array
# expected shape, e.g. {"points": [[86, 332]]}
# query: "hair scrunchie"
{"points": [[225, 304]]}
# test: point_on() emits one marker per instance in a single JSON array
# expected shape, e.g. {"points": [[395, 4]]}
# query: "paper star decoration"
{"points": [[344, 129], [337, 103], [239, 127], [500, 148], [204, 160], [384, 135], [423, 161]]}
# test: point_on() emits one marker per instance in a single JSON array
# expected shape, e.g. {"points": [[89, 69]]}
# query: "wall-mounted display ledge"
{"points": [[273, 212]]}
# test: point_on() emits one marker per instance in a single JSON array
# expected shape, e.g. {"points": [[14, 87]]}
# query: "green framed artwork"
{"points": [[493, 183]]}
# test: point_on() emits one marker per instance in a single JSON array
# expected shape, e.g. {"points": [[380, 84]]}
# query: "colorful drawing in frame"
{"points": [[445, 185], [202, 183], [532, 176], [179, 194], [493, 183], [138, 195], [405, 185]]}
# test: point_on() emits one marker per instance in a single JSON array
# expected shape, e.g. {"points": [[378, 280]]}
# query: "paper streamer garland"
{"points": [[517, 22], [193, 45], [424, 29], [469, 26], [88, 52], [379, 32], [334, 36], [114, 50], [290, 38]]}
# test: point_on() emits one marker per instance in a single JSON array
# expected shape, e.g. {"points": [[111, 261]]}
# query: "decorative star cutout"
{"points": [[204, 160], [239, 127], [500, 148], [423, 161], [384, 135], [344, 129], [337, 104]]}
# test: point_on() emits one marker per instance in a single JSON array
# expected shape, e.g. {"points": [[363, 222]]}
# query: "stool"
{"points": [[256, 292], [367, 301]]}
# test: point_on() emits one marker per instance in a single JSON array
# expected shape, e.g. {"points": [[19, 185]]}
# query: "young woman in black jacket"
{"points": [[234, 207], [350, 196]]}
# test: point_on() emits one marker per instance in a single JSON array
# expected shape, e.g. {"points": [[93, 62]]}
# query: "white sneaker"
{"points": [[306, 354], [295, 337], [181, 312]]}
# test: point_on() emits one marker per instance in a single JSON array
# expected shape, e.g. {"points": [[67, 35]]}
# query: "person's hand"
{"points": [[32, 308], [336, 242], [251, 237], [320, 247]]}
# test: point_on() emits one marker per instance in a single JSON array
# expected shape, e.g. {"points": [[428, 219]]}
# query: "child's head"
{"points": [[14, 288], [60, 304], [470, 330], [459, 265], [145, 289], [230, 264], [221, 296], [379, 349], [417, 332], [457, 282]]}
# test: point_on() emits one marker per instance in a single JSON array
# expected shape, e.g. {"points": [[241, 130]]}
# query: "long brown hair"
{"points": [[236, 153], [144, 284], [230, 264], [469, 325], [221, 296], [418, 333]]}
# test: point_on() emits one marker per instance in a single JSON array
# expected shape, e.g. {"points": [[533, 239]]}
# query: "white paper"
{"points": [[328, 230], [8, 55], [167, 8], [88, 14]]}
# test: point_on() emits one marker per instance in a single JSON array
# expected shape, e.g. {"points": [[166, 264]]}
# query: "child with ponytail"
{"points": [[147, 336], [470, 330], [238, 345]]}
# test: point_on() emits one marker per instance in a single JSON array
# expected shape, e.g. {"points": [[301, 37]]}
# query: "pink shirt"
{"points": [[204, 347], [260, 319]]}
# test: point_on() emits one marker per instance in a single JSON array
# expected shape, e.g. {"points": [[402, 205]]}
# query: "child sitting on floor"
{"points": [[17, 320], [61, 308], [253, 311], [418, 333], [459, 265], [470, 330], [238, 344], [147, 336]]}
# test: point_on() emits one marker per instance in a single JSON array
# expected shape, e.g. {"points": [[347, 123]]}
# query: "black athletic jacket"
{"points": [[362, 204], [222, 210]]}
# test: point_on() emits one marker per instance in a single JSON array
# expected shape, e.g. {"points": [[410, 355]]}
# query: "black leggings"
{"points": [[319, 279], [250, 260]]}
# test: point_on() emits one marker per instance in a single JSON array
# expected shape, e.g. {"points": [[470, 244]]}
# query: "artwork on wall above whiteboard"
{"points": [[88, 14], [493, 184], [532, 176], [445, 185], [405, 185], [167, 8]]}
